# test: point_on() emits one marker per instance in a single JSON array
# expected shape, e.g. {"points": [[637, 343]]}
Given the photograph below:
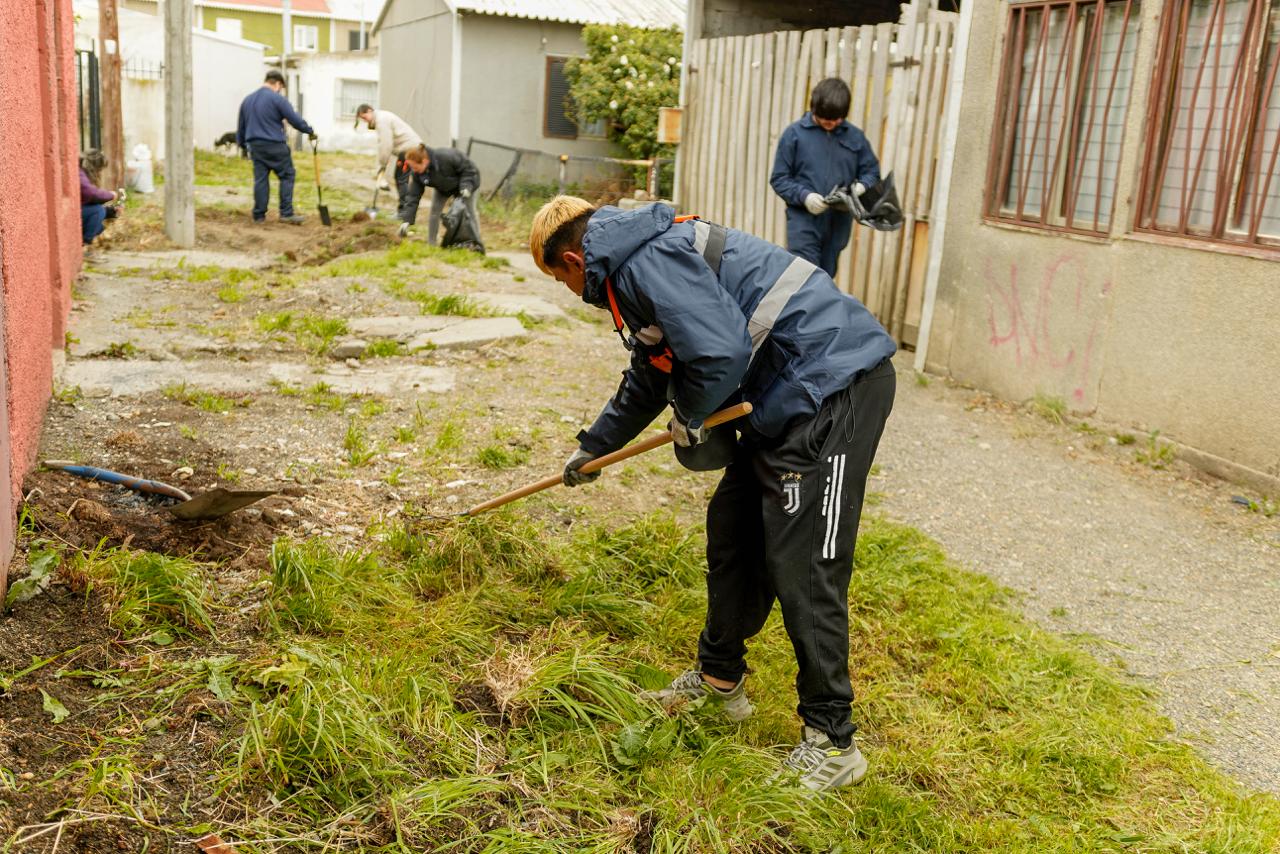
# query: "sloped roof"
{"points": [[349, 10], [640, 13], [298, 7]]}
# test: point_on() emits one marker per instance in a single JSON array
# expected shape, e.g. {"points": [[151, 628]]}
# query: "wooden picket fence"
{"points": [[745, 90]]}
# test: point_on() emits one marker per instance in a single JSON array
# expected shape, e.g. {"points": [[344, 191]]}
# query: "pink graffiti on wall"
{"points": [[1049, 335]]}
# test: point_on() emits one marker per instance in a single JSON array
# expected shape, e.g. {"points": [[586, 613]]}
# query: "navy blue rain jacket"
{"points": [[261, 113], [820, 342], [810, 160]]}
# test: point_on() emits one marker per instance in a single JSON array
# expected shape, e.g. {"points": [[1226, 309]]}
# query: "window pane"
{"points": [[1101, 122], [1262, 188], [558, 111], [353, 93], [1042, 110], [1206, 87], [1067, 78]]}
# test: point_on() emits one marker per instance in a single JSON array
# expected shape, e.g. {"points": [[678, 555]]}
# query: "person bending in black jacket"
{"points": [[449, 173]]}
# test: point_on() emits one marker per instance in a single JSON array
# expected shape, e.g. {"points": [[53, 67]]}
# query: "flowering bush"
{"points": [[627, 74]]}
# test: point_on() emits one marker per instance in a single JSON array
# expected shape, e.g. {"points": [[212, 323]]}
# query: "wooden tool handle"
{"points": [[657, 441]]}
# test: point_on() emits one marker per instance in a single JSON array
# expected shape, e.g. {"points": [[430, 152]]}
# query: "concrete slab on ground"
{"points": [[400, 327], [163, 258], [472, 332], [536, 308], [437, 330], [124, 377]]}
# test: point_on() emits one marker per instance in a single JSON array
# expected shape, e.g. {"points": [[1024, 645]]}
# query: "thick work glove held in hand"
{"points": [[815, 204], [687, 434], [573, 477]]}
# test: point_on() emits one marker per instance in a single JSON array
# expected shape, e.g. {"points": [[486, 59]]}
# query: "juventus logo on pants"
{"points": [[791, 492], [831, 504]]}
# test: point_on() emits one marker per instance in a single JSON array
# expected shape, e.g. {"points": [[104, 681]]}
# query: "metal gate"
{"points": [[88, 100]]}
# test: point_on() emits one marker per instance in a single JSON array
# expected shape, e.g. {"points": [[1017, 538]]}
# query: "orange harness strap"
{"points": [[662, 361]]}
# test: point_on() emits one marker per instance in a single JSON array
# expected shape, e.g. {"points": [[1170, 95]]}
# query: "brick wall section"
{"points": [[39, 223]]}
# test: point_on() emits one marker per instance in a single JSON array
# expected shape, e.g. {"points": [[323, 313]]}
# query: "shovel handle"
{"points": [[137, 484], [656, 441]]}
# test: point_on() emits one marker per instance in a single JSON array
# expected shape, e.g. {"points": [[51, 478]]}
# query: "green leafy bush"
{"points": [[627, 74]]}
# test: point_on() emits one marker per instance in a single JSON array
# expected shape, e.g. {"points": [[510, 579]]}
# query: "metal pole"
{"points": [[179, 143]]}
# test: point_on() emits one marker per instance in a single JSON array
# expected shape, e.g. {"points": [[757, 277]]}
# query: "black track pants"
{"points": [[782, 525]]}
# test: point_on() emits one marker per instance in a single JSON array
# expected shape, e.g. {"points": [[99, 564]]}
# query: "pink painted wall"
{"points": [[39, 221]]}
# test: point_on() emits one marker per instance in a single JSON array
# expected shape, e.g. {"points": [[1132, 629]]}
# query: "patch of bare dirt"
{"points": [[225, 230]]}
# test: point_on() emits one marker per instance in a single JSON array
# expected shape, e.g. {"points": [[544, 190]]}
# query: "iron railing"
{"points": [[1213, 124], [1061, 104]]}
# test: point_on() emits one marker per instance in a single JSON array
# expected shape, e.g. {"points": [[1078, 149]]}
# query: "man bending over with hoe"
{"points": [[713, 317]]}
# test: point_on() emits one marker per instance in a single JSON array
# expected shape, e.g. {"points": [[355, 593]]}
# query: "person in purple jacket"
{"points": [[94, 210]]}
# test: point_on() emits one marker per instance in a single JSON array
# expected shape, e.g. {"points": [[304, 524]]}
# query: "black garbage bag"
{"points": [[878, 207], [460, 227]]}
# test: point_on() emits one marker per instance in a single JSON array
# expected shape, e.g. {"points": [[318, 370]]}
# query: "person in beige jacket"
{"points": [[394, 137]]}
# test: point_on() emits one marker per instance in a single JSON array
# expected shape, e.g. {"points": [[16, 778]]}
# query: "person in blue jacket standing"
{"points": [[716, 317], [815, 155], [260, 130]]}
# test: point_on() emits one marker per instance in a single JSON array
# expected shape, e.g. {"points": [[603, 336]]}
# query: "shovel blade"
{"points": [[324, 215], [217, 503]]}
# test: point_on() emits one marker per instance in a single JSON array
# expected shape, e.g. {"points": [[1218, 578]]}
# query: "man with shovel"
{"points": [[716, 317], [395, 137], [261, 130]]}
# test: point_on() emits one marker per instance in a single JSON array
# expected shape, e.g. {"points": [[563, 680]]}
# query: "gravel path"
{"points": [[1177, 585]]}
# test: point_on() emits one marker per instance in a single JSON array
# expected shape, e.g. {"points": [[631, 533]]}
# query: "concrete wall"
{"points": [[39, 225], [319, 78], [504, 79], [223, 71], [415, 66], [1147, 332]]}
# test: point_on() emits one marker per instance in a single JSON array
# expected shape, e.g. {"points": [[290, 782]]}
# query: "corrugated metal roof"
{"points": [[641, 13], [351, 10]]}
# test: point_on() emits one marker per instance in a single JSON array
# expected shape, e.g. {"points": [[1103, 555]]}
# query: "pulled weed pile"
{"points": [[473, 689]]}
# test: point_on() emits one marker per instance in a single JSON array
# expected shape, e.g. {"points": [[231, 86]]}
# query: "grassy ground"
{"points": [[470, 686]]}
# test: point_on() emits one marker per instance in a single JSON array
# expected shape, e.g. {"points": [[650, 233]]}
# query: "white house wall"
{"points": [[223, 72], [319, 80]]}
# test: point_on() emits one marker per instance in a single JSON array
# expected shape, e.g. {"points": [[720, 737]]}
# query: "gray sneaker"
{"points": [[690, 686], [821, 765], [294, 219]]}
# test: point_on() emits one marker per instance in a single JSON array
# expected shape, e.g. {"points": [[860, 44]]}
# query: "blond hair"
{"points": [[547, 222]]}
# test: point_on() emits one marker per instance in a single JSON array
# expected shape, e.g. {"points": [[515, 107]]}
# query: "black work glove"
{"points": [[311, 136], [687, 434], [573, 477]]}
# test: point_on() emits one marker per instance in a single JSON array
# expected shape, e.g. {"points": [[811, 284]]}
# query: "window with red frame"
{"points": [[1213, 124], [1063, 96]]}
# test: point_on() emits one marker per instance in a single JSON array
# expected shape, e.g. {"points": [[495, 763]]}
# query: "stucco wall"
{"points": [[504, 79], [1151, 333], [223, 72], [39, 216], [414, 66], [319, 77]]}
